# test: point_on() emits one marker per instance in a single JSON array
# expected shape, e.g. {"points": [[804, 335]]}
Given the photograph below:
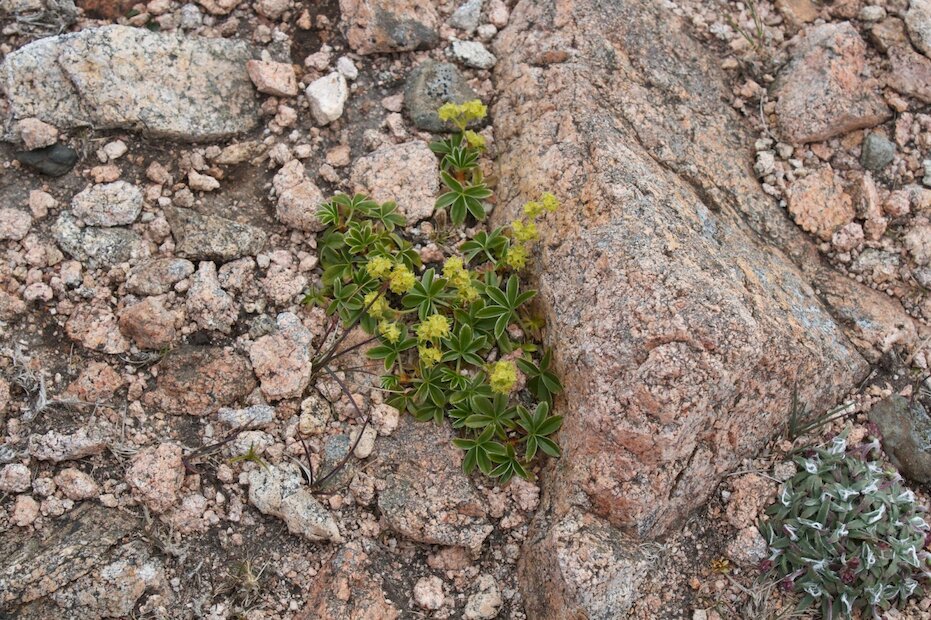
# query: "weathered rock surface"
{"points": [[158, 276], [379, 26], [110, 204], [282, 360], [352, 585], [678, 329], [823, 91], [819, 204], [426, 497], [57, 447], [918, 22], [209, 237], [298, 198], [906, 436], [123, 77], [405, 173], [155, 476], [37, 566], [149, 323], [199, 380], [910, 73]]}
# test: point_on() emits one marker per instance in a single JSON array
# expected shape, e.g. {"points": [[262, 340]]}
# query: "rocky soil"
{"points": [[746, 222]]}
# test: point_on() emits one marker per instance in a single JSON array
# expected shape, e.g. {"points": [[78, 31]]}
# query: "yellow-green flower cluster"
{"points": [[503, 377], [379, 267], [516, 257], [390, 330], [460, 279], [429, 355], [547, 204], [524, 232], [474, 139], [378, 307], [433, 328], [401, 280], [462, 114]]}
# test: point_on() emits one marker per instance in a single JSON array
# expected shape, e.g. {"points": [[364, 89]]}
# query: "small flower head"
{"points": [[468, 294], [474, 110], [448, 112], [533, 209], [461, 115], [474, 139], [456, 273], [377, 305], [503, 377], [379, 267], [516, 257], [429, 355], [433, 328], [550, 203], [401, 280], [390, 331], [524, 232]]}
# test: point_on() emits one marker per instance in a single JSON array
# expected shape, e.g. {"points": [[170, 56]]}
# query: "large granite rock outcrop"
{"points": [[679, 297]]}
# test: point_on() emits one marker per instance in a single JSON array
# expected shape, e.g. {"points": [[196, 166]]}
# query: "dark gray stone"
{"points": [[877, 152], [429, 86], [208, 237], [906, 436], [335, 449], [54, 161]]}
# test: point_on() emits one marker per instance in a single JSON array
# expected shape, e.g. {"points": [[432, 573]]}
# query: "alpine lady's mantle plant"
{"points": [[454, 337], [846, 534]]}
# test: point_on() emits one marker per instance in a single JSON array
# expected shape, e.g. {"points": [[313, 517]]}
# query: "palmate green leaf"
{"points": [[493, 413], [504, 304], [442, 147], [390, 352], [360, 237], [476, 387], [507, 465], [428, 293], [537, 427], [492, 245], [541, 381], [328, 214], [464, 346], [462, 199], [387, 215], [479, 451], [431, 386], [460, 159]]}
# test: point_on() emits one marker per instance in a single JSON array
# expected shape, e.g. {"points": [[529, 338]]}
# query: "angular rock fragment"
{"points": [[429, 86], [406, 173], [109, 204], [282, 360], [97, 247], [426, 496], [352, 584], [905, 429], [298, 198], [208, 237], [278, 491], [40, 565], [199, 380], [824, 90], [380, 26], [184, 88]]}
